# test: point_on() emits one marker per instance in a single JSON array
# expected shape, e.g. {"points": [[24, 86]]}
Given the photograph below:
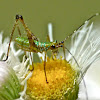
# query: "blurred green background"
{"points": [[65, 15]]}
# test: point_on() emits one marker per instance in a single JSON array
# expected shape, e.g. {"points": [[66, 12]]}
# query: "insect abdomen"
{"points": [[22, 43]]}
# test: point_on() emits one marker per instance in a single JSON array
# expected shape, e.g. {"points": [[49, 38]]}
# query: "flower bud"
{"points": [[9, 83]]}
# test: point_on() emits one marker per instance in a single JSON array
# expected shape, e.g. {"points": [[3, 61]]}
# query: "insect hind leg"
{"points": [[10, 39], [11, 36], [29, 33]]}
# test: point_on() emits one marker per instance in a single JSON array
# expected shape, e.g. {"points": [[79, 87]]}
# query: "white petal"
{"points": [[50, 32], [85, 45]]}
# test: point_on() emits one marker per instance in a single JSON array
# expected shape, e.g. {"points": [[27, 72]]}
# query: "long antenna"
{"points": [[74, 57], [80, 72], [82, 25]]}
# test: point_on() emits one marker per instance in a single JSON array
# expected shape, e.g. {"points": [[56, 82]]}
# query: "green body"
{"points": [[23, 43]]}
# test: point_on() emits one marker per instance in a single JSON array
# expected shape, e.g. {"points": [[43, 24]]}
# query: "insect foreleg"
{"points": [[54, 53]]}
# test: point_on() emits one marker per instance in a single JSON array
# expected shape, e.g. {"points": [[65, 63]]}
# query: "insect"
{"points": [[32, 44]]}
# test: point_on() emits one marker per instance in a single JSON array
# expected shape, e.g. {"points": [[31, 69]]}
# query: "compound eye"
{"points": [[61, 45], [53, 46], [62, 41], [17, 16], [21, 16]]}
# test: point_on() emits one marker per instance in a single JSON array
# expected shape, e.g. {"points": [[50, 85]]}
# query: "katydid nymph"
{"points": [[32, 44]]}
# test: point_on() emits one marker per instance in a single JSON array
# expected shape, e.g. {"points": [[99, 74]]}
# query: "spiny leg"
{"points": [[18, 30], [45, 68], [64, 52], [48, 40], [11, 39], [30, 35], [54, 54], [61, 44], [16, 24]]}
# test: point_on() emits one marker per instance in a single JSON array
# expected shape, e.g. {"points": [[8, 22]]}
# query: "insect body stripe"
{"points": [[24, 44], [44, 44]]}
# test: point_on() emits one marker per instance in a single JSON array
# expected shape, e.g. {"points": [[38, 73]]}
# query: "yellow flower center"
{"points": [[60, 75]]}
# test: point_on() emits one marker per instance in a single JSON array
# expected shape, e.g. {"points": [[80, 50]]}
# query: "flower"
{"points": [[9, 84], [64, 76], [15, 70]]}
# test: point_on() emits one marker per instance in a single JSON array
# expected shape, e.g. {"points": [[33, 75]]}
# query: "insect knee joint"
{"points": [[19, 16]]}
